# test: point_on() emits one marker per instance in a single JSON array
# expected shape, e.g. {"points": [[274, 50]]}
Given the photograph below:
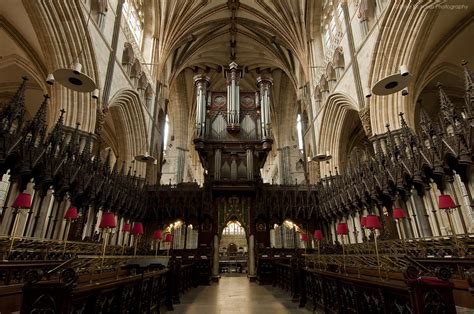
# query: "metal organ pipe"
{"points": [[201, 82], [233, 75], [264, 84]]}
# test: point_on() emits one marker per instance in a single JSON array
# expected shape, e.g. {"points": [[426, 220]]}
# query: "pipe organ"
{"points": [[233, 132]]}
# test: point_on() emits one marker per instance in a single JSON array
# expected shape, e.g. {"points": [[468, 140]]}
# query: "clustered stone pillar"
{"points": [[264, 84], [201, 82], [233, 75], [251, 256]]}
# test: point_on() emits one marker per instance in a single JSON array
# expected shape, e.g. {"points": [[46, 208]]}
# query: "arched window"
{"points": [[233, 228], [299, 129], [166, 132], [133, 12]]}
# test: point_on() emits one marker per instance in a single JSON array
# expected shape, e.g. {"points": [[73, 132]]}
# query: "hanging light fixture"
{"points": [[145, 158], [73, 79]]}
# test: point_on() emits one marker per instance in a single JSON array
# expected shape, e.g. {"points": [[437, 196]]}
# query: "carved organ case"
{"points": [[233, 129]]}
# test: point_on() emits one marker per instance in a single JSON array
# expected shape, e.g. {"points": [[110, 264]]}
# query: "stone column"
{"points": [[251, 256], [8, 216], [201, 82], [264, 83], [215, 258], [180, 164], [249, 163], [421, 215]]}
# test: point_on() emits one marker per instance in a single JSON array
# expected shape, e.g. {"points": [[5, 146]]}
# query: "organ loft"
{"points": [[236, 156]]}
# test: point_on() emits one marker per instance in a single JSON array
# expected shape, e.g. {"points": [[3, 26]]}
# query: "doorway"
{"points": [[233, 249]]}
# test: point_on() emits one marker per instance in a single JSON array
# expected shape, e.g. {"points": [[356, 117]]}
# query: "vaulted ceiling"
{"points": [[260, 35]]}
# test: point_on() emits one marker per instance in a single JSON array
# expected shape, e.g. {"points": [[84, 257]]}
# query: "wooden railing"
{"points": [[332, 292]]}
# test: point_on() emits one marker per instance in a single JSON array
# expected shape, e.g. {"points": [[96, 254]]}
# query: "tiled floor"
{"points": [[236, 295]]}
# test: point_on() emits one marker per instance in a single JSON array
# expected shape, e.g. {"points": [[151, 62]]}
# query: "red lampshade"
{"points": [[157, 235], [71, 213], [107, 221], [446, 202], [398, 213], [342, 228], [23, 200], [169, 237], [126, 228], [363, 221], [373, 222], [318, 235], [137, 228], [304, 237]]}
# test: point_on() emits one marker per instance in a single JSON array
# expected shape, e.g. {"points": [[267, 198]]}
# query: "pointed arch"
{"points": [[338, 112], [126, 123]]}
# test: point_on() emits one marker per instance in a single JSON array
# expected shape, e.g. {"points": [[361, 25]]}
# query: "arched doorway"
{"points": [[233, 249]]}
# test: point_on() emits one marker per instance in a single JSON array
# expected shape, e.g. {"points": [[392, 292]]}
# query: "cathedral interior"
{"points": [[236, 156]]}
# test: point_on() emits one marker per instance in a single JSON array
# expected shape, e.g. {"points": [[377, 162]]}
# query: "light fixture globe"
{"points": [[321, 157], [391, 84], [145, 158], [74, 79]]}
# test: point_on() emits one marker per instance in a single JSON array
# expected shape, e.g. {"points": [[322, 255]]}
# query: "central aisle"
{"points": [[236, 295]]}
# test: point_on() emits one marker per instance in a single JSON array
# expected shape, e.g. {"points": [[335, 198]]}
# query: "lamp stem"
{"points": [[15, 226], [377, 252], [68, 225], [123, 242], [106, 237], [451, 225], [156, 247], [136, 244], [319, 256], [343, 254]]}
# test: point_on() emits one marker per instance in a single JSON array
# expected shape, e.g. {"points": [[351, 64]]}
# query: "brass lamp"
{"points": [[373, 223], [22, 201], [342, 229], [70, 215], [107, 224], [137, 231]]}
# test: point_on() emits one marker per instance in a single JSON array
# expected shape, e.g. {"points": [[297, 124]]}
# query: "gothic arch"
{"points": [[410, 29], [338, 112], [127, 121]]}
